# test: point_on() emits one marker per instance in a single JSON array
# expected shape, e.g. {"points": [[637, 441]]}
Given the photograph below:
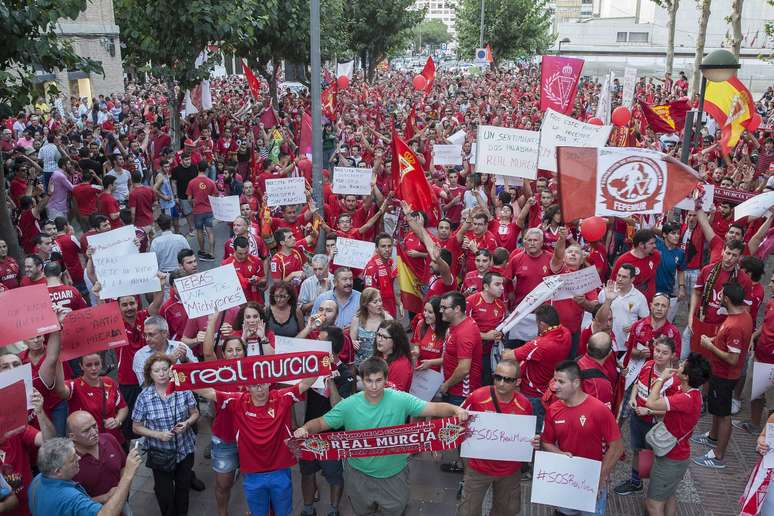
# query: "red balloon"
{"points": [[596, 121], [593, 229], [342, 82], [419, 82], [621, 116]]}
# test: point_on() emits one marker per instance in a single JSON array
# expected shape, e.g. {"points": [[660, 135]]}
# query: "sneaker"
{"points": [[627, 488], [703, 439], [205, 257], [304, 513], [745, 426], [736, 406], [452, 467], [708, 460], [333, 512]]}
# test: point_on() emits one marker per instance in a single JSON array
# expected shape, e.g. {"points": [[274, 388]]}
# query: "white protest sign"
{"points": [[292, 345], [13, 375], [473, 150], [629, 82], [457, 138], [763, 379], [447, 155], [210, 291], [508, 181], [121, 277], [531, 301], [352, 180], [499, 437], [577, 283], [768, 459], [603, 104], [754, 207], [507, 152], [225, 208], [558, 129], [285, 191], [689, 203], [562, 481], [353, 253], [425, 383], [116, 241], [525, 329]]}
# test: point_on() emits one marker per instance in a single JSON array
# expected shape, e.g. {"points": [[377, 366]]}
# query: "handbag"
{"points": [[163, 459], [661, 440]]}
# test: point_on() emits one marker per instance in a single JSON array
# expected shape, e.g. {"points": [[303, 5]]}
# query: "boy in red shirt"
{"points": [[488, 310], [199, 190]]}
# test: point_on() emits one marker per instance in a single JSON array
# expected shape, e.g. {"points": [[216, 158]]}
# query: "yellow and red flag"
{"points": [[666, 118], [410, 284], [731, 105], [411, 121]]}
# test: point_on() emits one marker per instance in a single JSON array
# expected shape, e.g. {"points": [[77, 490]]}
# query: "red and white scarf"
{"points": [[755, 492]]}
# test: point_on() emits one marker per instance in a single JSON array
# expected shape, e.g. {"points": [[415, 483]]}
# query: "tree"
{"points": [[165, 37], [30, 40], [735, 20], [671, 6], [379, 27], [513, 28], [430, 32], [701, 37]]}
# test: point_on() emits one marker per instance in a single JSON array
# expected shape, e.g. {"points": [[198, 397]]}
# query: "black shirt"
{"points": [[182, 176]]}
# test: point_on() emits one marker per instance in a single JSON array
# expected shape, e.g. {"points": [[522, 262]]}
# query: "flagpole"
{"points": [[481, 29], [317, 179]]}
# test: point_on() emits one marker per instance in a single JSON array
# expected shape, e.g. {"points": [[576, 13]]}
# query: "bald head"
{"points": [[599, 346], [83, 429]]}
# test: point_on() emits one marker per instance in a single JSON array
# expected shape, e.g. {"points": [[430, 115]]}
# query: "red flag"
{"points": [[411, 120], [305, 146], [328, 102], [489, 58], [252, 81], [410, 182], [733, 108], [559, 83], [619, 182], [268, 117], [666, 118], [428, 72]]}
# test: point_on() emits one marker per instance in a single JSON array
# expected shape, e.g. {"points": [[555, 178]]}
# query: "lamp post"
{"points": [[718, 66], [481, 28], [317, 188], [563, 40]]}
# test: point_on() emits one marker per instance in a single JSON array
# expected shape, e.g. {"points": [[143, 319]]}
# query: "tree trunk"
{"points": [[670, 50], [175, 104], [736, 25], [7, 228], [701, 37]]}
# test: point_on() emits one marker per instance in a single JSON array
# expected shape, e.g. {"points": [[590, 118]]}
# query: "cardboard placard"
{"points": [[120, 276], [577, 283], [562, 481], [447, 155], [629, 82], [352, 180], [293, 345], [210, 291], [92, 330], [689, 203], [285, 191], [117, 241], [353, 253], [496, 436], [507, 152], [225, 208], [457, 138], [26, 312], [13, 417], [754, 207], [768, 459], [23, 373], [425, 383], [560, 130], [763, 379]]}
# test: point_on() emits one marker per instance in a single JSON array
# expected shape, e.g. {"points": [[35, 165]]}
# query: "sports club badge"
{"points": [[627, 184], [559, 87]]}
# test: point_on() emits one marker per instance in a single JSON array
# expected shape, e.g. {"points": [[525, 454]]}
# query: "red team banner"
{"points": [[435, 435], [559, 78], [91, 330], [666, 118], [250, 370]]}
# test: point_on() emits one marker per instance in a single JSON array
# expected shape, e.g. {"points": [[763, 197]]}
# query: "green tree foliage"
{"points": [[430, 32], [513, 28]]}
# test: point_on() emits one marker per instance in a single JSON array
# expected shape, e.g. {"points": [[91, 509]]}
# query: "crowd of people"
{"points": [[79, 167]]}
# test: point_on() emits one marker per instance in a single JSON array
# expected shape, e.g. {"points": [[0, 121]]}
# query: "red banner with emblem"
{"points": [[410, 182], [666, 118], [559, 78], [435, 435]]}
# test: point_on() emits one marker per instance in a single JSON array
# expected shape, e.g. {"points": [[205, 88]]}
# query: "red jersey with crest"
{"points": [[485, 241], [528, 271], [487, 315], [716, 298], [379, 274], [66, 296], [583, 430], [9, 272], [282, 266], [252, 266], [645, 271]]}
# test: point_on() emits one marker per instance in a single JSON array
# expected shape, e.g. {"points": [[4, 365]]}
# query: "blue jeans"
{"points": [[269, 489], [601, 506], [58, 418]]}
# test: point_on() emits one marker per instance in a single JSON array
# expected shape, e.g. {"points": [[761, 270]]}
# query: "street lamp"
{"points": [[563, 40]]}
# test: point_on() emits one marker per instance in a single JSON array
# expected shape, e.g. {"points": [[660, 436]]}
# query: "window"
{"points": [[621, 38], [638, 37]]}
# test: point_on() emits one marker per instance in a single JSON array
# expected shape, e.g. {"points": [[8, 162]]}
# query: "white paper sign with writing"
{"points": [[629, 82], [353, 253], [13, 375], [120, 276], [768, 459], [531, 301], [577, 283], [763, 379], [225, 208], [473, 151], [447, 155], [562, 481], [285, 191], [755, 206], [507, 152], [689, 203], [425, 383], [210, 291], [116, 241], [293, 345], [352, 180], [457, 138], [558, 129], [499, 437]]}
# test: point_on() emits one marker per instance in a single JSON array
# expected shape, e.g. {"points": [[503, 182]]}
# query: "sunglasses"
{"points": [[501, 378]]}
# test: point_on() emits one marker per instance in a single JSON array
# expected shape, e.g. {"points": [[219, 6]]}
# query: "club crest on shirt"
{"points": [[270, 411], [582, 420]]}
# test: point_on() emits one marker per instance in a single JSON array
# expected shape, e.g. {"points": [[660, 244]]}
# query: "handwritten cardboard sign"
{"points": [[562, 481], [499, 437], [22, 373], [577, 283], [353, 253], [629, 82], [560, 130], [457, 138], [293, 345], [763, 379], [425, 383], [447, 155], [210, 291], [120, 276], [225, 208], [507, 152], [117, 241], [13, 417], [92, 330], [285, 191], [352, 180], [24, 313], [531, 301], [755, 206]]}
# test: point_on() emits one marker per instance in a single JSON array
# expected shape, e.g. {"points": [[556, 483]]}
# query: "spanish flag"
{"points": [[666, 118], [410, 293], [731, 105]]}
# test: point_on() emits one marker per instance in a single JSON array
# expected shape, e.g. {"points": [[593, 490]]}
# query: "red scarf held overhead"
{"points": [[435, 435]]}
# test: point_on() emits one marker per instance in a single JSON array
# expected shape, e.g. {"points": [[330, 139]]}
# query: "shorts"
{"points": [[453, 399], [332, 470], [186, 208], [665, 476], [747, 392], [271, 489], [172, 211], [225, 457], [369, 494], [637, 430], [721, 391], [202, 220]]}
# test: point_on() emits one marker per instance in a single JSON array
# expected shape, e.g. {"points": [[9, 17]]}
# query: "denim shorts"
{"points": [[637, 430], [225, 457], [202, 220]]}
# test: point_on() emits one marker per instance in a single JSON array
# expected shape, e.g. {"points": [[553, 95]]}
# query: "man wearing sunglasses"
{"points": [[503, 476]]}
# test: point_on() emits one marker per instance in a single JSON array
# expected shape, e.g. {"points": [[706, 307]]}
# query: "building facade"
{"points": [[444, 10]]}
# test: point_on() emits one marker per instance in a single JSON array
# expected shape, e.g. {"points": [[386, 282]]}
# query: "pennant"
{"points": [[250, 370], [731, 105], [619, 182], [666, 118], [268, 118], [252, 81], [559, 83], [410, 181], [410, 284], [434, 435], [328, 102], [428, 72], [345, 69], [756, 490]]}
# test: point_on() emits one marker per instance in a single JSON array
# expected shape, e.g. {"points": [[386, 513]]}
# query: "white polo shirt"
{"points": [[627, 308]]}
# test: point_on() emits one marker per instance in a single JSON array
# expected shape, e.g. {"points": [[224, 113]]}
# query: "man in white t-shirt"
{"points": [[627, 304]]}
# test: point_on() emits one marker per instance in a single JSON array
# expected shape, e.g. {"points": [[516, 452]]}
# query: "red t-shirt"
{"points": [[583, 430], [645, 271], [506, 233], [136, 339], [282, 266], [85, 397], [683, 412], [539, 357], [380, 275], [644, 383], [400, 373], [199, 189], [693, 245], [107, 204], [527, 271], [734, 337], [100, 475], [485, 241], [716, 246], [463, 341], [487, 315], [764, 348], [600, 388], [15, 466], [437, 287], [85, 196], [570, 312], [757, 293], [420, 265], [262, 430], [252, 266], [142, 199], [29, 227], [66, 296], [642, 334], [50, 398], [480, 400], [430, 346], [9, 272], [174, 313], [711, 309], [26, 281], [71, 250]]}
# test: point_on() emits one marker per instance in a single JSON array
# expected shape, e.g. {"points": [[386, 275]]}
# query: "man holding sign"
{"points": [[503, 476]]}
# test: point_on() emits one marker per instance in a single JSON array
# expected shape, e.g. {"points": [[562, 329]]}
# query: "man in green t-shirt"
{"points": [[377, 483]]}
